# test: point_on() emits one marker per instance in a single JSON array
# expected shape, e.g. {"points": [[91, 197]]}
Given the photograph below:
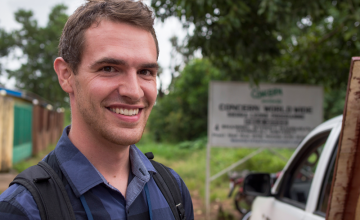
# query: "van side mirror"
{"points": [[257, 184]]}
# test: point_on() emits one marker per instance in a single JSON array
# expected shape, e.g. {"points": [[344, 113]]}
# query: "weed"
{"points": [[19, 167], [189, 162]]}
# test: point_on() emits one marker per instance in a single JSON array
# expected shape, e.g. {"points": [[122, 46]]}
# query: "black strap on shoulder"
{"points": [[169, 188], [48, 192]]}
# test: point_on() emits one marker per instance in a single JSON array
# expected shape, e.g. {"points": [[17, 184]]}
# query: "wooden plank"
{"points": [[8, 134], [46, 129], [36, 130], [1, 126], [40, 133], [53, 133], [60, 124], [345, 188]]}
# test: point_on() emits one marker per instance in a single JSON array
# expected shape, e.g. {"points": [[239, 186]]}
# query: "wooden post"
{"points": [[2, 100], [51, 127], [36, 141], [344, 203], [41, 131], [45, 129], [7, 137], [59, 124]]}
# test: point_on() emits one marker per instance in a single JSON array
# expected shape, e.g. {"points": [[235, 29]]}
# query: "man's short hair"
{"points": [[71, 45]]}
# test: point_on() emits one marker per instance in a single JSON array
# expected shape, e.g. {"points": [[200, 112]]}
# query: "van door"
{"points": [[290, 203], [319, 212]]}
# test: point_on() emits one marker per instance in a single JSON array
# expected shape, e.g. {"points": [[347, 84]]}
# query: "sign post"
{"points": [[264, 116], [271, 115]]}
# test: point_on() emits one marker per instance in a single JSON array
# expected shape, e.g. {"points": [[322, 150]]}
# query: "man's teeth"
{"points": [[125, 111]]}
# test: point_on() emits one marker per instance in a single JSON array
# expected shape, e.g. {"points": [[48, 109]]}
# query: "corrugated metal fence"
{"points": [[25, 129], [22, 144], [6, 132]]}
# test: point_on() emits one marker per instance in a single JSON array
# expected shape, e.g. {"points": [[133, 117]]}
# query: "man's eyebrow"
{"points": [[107, 60], [150, 66]]}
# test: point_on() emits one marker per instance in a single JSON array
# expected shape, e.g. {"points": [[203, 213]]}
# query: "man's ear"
{"points": [[65, 74]]}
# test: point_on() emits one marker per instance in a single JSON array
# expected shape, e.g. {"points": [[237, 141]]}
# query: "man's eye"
{"points": [[108, 69], [145, 72]]}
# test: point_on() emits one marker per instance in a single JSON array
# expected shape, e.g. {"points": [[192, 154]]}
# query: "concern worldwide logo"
{"points": [[266, 93]]}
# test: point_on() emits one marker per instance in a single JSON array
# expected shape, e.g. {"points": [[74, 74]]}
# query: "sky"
{"points": [[41, 10]]}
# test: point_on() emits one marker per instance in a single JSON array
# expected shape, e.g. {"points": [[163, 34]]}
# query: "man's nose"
{"points": [[130, 86]]}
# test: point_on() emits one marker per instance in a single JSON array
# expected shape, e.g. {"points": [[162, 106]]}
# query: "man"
{"points": [[108, 65]]}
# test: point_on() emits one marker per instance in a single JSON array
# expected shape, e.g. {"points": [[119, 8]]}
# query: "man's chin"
{"points": [[121, 140]]}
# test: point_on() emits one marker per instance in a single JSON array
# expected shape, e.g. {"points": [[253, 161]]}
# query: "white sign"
{"points": [[270, 115]]}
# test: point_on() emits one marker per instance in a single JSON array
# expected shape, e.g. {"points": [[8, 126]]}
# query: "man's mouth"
{"points": [[124, 111]]}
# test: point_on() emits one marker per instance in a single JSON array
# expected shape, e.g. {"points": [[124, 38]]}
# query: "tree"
{"points": [[232, 34], [245, 37], [6, 42], [287, 41], [182, 114], [39, 49]]}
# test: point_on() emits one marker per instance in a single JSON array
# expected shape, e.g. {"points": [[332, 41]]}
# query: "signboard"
{"points": [[268, 115]]}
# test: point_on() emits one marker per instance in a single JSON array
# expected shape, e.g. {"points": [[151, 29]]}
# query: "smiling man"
{"points": [[108, 65]]}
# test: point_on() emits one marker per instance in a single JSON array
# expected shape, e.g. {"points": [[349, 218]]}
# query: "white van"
{"points": [[302, 190]]}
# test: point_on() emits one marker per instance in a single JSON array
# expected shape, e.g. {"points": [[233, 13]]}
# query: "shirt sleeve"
{"points": [[17, 203]]}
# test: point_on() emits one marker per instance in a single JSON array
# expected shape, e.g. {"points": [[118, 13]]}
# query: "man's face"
{"points": [[115, 84]]}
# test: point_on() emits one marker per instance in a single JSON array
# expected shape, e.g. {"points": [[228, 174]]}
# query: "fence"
{"points": [[25, 128]]}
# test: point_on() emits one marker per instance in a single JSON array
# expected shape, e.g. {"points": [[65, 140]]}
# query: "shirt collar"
{"points": [[82, 175]]}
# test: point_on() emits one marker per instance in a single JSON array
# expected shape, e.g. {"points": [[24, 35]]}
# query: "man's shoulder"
{"points": [[17, 203], [179, 180], [185, 194], [177, 177], [149, 163]]}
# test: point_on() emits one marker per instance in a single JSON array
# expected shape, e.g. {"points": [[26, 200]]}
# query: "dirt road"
{"points": [[199, 208], [5, 180]]}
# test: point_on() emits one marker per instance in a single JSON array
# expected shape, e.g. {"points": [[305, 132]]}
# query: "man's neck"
{"points": [[111, 160]]}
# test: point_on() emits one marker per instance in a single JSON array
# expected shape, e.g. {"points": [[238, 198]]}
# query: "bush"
{"points": [[182, 114]]}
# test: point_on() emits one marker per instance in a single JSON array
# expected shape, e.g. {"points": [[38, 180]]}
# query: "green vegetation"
{"points": [[19, 167], [67, 117], [182, 114], [38, 46], [283, 41], [288, 41], [190, 162]]}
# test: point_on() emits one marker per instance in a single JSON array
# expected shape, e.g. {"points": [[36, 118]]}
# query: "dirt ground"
{"points": [[5, 180], [216, 207]]}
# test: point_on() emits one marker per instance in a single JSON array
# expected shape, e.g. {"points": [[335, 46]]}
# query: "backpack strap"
{"points": [[169, 187], [48, 192]]}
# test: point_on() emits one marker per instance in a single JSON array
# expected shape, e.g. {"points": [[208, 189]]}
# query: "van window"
{"points": [[302, 173]]}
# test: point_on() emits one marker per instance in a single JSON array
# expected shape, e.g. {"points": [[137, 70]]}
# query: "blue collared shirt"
{"points": [[104, 201]]}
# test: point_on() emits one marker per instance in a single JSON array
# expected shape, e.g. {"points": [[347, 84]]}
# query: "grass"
{"points": [[19, 167], [190, 163]]}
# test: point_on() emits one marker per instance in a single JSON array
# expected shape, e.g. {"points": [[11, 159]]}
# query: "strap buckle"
{"points": [[181, 211]]}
